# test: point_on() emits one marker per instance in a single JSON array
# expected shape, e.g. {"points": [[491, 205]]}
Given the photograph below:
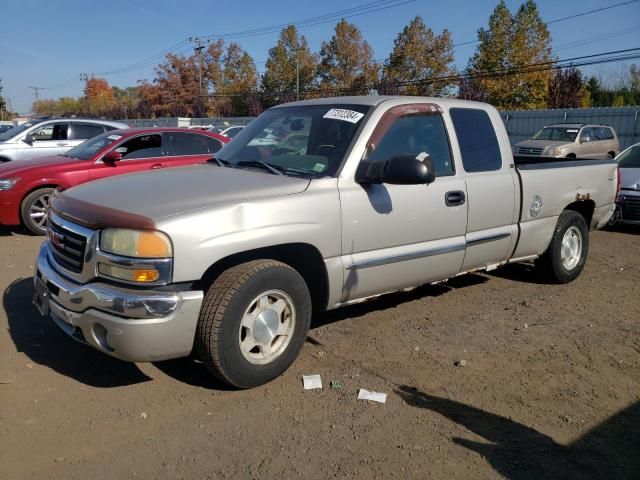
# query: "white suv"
{"points": [[42, 137]]}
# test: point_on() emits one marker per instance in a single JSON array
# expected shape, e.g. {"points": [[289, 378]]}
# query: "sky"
{"points": [[48, 44]]}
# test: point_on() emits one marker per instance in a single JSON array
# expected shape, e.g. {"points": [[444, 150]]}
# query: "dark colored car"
{"points": [[25, 187]]}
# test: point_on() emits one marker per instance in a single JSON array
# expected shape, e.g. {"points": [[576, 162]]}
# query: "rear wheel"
{"points": [[567, 253], [611, 154], [34, 210], [253, 322]]}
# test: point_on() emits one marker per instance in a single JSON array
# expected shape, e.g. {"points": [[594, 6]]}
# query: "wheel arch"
{"points": [[305, 258], [31, 190], [584, 208]]}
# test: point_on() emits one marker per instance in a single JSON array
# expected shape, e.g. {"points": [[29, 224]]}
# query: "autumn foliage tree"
{"points": [[568, 89], [512, 60], [346, 62], [98, 96], [420, 56]]}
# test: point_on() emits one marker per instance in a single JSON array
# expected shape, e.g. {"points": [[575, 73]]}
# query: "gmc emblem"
{"points": [[56, 239]]}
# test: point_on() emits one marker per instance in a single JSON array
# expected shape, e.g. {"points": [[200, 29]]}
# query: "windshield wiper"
{"points": [[275, 169], [221, 163]]}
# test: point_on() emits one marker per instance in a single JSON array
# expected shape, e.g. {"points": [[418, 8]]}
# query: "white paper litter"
{"points": [[373, 396], [311, 381]]}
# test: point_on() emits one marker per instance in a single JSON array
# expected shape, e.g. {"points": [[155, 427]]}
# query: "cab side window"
{"points": [[144, 146], [194, 144], [84, 131], [587, 135], [477, 139], [414, 134], [56, 131]]}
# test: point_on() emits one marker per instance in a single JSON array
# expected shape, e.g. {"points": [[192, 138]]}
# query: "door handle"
{"points": [[62, 144], [454, 198], [157, 165]]}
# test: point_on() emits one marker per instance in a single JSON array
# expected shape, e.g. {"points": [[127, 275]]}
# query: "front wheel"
{"points": [[567, 253], [34, 210], [253, 322]]}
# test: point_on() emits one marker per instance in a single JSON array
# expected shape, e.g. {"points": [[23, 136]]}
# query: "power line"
{"points": [[558, 64], [582, 14], [363, 9]]}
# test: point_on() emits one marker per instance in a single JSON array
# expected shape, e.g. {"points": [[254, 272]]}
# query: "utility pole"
{"points": [[35, 93], [198, 49], [85, 78]]}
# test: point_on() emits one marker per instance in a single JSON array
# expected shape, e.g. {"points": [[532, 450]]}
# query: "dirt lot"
{"points": [[550, 388]]}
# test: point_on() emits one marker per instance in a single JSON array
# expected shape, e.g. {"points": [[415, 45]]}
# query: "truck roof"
{"points": [[575, 125], [374, 100]]}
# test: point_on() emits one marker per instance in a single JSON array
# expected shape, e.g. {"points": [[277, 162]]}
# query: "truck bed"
{"points": [[548, 187]]}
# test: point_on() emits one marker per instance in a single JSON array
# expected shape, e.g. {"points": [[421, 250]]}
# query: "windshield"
{"points": [[305, 141], [12, 132], [630, 158], [560, 134], [88, 149]]}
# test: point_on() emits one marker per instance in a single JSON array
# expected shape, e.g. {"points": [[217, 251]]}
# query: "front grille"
{"points": [[630, 207], [528, 151], [67, 247]]}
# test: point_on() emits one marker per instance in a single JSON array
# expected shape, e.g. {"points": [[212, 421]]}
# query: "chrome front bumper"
{"points": [[130, 324]]}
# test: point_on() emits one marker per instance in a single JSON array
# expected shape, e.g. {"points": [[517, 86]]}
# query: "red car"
{"points": [[25, 186]]}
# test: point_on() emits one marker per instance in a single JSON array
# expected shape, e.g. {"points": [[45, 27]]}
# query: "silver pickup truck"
{"points": [[349, 198]]}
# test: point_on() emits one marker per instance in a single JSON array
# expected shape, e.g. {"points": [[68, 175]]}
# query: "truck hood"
{"points": [[140, 199], [630, 178], [543, 144], [14, 169]]}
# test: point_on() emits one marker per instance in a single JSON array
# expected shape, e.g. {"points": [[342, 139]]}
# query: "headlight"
{"points": [[135, 243], [554, 151], [8, 183]]}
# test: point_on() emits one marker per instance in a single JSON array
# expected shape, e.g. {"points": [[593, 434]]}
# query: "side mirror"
{"points": [[29, 139], [400, 170], [112, 156]]}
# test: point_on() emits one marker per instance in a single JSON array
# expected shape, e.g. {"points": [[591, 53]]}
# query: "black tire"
{"points": [[611, 155], [571, 155], [36, 199], [551, 263], [219, 330]]}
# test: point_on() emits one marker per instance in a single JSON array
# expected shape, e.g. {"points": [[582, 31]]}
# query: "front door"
{"points": [[397, 236], [142, 152], [49, 139]]}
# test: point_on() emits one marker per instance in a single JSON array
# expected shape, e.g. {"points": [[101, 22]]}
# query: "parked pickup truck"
{"points": [[229, 259]]}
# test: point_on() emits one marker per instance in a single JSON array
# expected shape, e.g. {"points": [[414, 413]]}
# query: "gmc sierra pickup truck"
{"points": [[350, 198]]}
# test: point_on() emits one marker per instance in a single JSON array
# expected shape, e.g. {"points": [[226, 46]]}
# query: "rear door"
{"points": [[189, 148], [397, 236], [142, 152], [491, 188], [79, 132]]}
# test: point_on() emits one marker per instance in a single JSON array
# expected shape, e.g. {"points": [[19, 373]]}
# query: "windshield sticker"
{"points": [[572, 131], [114, 137], [345, 115], [319, 167]]}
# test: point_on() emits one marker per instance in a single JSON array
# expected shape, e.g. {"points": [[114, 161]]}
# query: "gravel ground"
{"points": [[549, 387]]}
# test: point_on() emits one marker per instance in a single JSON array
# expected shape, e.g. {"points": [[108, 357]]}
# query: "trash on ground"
{"points": [[460, 363], [335, 384], [143, 415], [373, 396], [311, 382]]}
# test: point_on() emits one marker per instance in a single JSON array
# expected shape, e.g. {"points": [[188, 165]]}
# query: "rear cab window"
{"points": [[479, 147]]}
